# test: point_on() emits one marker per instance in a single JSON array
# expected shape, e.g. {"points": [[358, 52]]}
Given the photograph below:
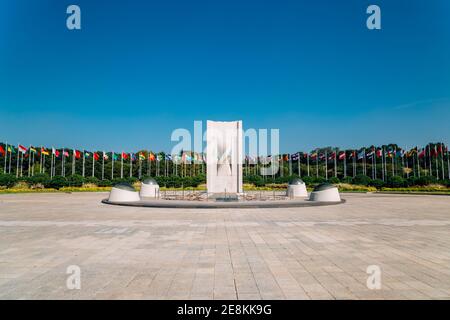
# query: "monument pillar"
{"points": [[224, 157]]}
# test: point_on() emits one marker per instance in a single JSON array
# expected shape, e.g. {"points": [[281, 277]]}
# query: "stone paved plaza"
{"points": [[290, 253]]}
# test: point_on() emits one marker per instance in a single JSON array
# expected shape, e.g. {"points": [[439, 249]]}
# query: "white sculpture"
{"points": [[149, 189], [224, 157]]}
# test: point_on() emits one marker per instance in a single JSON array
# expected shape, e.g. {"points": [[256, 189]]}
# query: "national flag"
{"points": [[342, 155], [33, 150], [96, 157], [133, 157], [55, 152], [313, 155], [22, 149], [361, 155], [286, 157], [2, 151], [421, 153], [159, 157], [87, 154], [66, 153], [168, 157], [141, 156], [332, 156], [105, 156], [151, 156], [124, 156], [295, 156], [115, 156], [76, 154], [379, 153], [45, 152], [352, 154]]}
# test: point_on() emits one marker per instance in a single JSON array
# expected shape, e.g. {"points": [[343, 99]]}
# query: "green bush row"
{"points": [[57, 182]]}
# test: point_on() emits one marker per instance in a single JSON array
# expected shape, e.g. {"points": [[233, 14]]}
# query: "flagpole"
{"points": [[112, 165], [93, 164], [84, 160], [335, 162], [73, 161], [62, 162], [21, 164], [121, 166], [448, 164], [131, 164], [382, 163], [17, 160], [29, 161], [442, 161], [364, 162], [345, 164], [374, 162], [6, 157], [103, 166], [326, 165], [10, 157]]}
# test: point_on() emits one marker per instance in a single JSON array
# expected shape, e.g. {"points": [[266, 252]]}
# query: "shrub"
{"points": [[396, 182], [361, 180], [75, 180], [56, 182], [334, 180], [377, 183], [347, 180], [425, 180], [39, 178], [90, 180], [7, 180], [104, 183]]}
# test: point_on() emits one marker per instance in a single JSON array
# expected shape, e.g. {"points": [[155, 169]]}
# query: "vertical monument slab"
{"points": [[224, 156]]}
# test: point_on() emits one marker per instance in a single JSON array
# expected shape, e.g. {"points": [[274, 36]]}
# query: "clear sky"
{"points": [[139, 69]]}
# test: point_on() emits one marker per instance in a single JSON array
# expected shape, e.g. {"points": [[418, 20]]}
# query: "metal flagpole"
{"points": [[436, 162], [131, 165], [32, 167], [364, 162], [307, 162], [103, 165], [374, 161], [290, 165], [121, 166], [335, 162], [345, 164], [73, 161], [93, 164], [29, 161], [112, 164], [84, 156], [10, 157], [6, 157], [62, 162], [17, 160], [326, 165], [354, 163], [442, 161], [21, 163]]}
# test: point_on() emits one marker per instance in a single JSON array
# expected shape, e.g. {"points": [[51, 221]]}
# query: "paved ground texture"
{"points": [[290, 253]]}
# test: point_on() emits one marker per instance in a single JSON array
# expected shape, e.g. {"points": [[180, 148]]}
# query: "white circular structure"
{"points": [[123, 192], [325, 192], [296, 189], [149, 188]]}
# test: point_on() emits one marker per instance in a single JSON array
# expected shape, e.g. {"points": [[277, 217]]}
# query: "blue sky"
{"points": [[139, 69]]}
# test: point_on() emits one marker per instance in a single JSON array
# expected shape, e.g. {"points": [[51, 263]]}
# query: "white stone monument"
{"points": [[224, 157]]}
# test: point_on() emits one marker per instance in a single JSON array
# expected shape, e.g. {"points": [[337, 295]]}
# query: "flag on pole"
{"points": [[66, 153], [22, 149], [124, 156], [342, 155], [96, 157], [33, 150], [76, 154], [141, 156], [105, 156], [2, 151]]}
